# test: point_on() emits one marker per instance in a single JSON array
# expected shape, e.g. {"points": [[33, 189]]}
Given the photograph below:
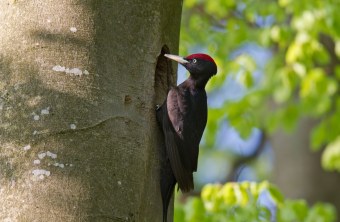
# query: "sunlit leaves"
{"points": [[294, 52], [322, 212], [218, 8], [293, 210], [286, 81], [243, 67], [275, 33], [331, 156], [190, 3], [300, 79], [305, 21], [284, 3], [317, 91], [238, 202]]}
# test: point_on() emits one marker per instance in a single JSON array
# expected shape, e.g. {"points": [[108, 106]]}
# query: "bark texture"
{"points": [[298, 170], [78, 135]]}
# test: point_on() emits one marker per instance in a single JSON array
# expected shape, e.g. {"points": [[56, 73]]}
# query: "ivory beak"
{"points": [[176, 58]]}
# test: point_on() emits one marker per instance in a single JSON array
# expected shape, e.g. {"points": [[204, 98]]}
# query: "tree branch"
{"points": [[243, 160]]}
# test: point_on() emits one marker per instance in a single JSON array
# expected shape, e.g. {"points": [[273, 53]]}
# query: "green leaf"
{"points": [[331, 156], [322, 212], [189, 3], [195, 210], [275, 33], [284, 3], [294, 52], [289, 116], [293, 211], [276, 195], [246, 79], [321, 134]]}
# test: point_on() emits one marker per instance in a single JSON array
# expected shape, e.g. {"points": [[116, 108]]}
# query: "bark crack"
{"points": [[85, 128]]}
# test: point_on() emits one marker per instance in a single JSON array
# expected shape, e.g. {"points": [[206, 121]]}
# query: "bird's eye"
{"points": [[194, 60]]}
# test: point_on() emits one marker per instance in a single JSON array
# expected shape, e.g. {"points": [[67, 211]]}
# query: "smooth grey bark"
{"points": [[298, 170], [78, 135]]}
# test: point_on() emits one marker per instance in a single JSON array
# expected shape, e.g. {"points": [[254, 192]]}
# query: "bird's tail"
{"points": [[168, 182]]}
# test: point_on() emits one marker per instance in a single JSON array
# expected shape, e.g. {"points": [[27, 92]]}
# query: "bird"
{"points": [[182, 118]]}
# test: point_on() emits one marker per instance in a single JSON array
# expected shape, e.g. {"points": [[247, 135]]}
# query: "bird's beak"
{"points": [[178, 59]]}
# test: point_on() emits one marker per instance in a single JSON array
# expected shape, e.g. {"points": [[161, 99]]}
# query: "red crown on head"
{"points": [[200, 56]]}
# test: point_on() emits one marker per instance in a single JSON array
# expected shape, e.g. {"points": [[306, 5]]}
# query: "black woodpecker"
{"points": [[182, 118]]}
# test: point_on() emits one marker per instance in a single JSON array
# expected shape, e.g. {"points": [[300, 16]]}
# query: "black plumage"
{"points": [[183, 117]]}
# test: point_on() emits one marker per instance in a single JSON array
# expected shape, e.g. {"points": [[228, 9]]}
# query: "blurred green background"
{"points": [[274, 110]]}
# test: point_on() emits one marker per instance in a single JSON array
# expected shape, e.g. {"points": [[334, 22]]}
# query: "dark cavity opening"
{"points": [[164, 76]]}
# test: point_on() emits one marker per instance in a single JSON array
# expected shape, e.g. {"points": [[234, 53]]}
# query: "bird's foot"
{"points": [[158, 107]]}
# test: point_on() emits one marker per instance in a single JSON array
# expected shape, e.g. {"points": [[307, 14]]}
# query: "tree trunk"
{"points": [[78, 135], [298, 170]]}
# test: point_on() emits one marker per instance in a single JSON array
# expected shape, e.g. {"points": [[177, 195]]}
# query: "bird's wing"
{"points": [[195, 126], [182, 136]]}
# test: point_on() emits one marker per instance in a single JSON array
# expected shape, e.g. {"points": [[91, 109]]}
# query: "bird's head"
{"points": [[200, 66]]}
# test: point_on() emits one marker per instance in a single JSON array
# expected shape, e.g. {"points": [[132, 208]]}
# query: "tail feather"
{"points": [[168, 182]]}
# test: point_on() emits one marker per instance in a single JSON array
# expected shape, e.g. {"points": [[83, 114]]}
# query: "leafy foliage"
{"points": [[235, 202], [301, 77]]}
